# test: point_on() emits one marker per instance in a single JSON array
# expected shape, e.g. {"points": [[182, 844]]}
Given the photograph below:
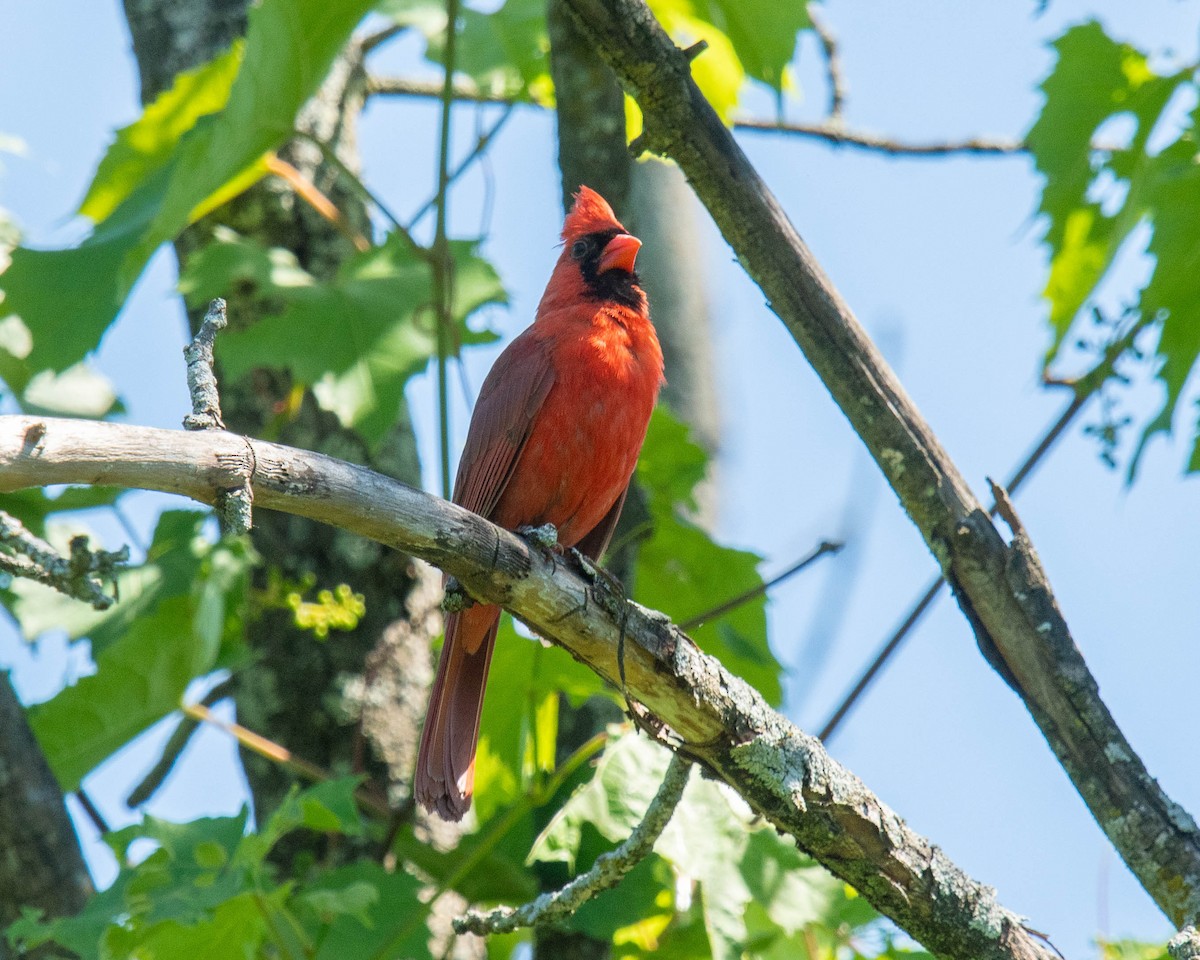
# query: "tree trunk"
{"points": [[316, 698], [41, 865]]}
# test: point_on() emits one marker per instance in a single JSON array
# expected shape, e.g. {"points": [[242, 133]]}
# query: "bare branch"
{"points": [[830, 131], [841, 135], [719, 720], [180, 737], [82, 575], [608, 870], [1001, 588]]}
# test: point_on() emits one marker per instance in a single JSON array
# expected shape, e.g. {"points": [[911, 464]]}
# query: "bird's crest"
{"points": [[590, 214]]}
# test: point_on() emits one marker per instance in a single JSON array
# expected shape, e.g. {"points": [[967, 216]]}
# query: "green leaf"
{"points": [[388, 919], [763, 33], [33, 506], [1173, 292], [177, 614], [378, 304], [207, 890], [1131, 950], [172, 564], [139, 680], [518, 730], [740, 863], [289, 47], [148, 144], [234, 930], [682, 572], [718, 72], [505, 52], [1095, 79], [325, 808], [353, 900]]}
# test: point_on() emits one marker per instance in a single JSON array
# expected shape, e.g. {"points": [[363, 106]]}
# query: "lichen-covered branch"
{"points": [[605, 873], [719, 720], [1001, 588], [81, 575], [201, 381]]}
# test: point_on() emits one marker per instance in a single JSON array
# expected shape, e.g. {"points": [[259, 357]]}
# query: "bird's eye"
{"points": [[579, 249]]}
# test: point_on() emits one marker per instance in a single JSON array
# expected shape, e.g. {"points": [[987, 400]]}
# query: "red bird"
{"points": [[555, 435]]}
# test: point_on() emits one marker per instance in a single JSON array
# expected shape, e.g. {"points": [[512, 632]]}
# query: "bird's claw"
{"points": [[456, 599], [545, 536]]}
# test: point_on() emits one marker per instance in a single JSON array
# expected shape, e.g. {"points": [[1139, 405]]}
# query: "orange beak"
{"points": [[620, 253]]}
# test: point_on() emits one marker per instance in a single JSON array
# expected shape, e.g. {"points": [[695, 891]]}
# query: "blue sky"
{"points": [[940, 260]]}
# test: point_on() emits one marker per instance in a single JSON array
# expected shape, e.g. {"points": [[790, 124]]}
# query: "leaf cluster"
{"points": [[1116, 142]]}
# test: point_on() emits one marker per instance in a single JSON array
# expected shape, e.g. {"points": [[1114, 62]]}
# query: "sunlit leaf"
{"points": [[763, 33], [289, 47], [718, 72], [147, 144], [1173, 293], [1095, 78]]}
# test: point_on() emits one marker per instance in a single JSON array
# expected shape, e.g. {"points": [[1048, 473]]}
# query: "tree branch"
{"points": [[82, 575], [831, 131], [719, 720], [605, 873], [1001, 588], [833, 63]]}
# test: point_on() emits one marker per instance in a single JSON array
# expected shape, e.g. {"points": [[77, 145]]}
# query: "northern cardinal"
{"points": [[554, 438]]}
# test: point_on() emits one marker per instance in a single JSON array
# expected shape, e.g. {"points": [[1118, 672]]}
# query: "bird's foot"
{"points": [[456, 599], [545, 536], [608, 591]]}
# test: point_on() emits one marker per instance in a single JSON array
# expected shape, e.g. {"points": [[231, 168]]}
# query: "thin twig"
{"points": [[329, 155], [481, 144], [606, 872], [311, 194], [829, 131], [373, 40], [1084, 388], [180, 737], [463, 89], [833, 63], [92, 811], [370, 798], [826, 547], [82, 575], [836, 133]]}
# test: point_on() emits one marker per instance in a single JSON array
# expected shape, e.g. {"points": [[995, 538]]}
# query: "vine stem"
{"points": [[443, 282]]}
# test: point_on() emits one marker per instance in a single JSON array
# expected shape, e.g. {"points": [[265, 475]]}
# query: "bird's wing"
{"points": [[508, 402]]}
